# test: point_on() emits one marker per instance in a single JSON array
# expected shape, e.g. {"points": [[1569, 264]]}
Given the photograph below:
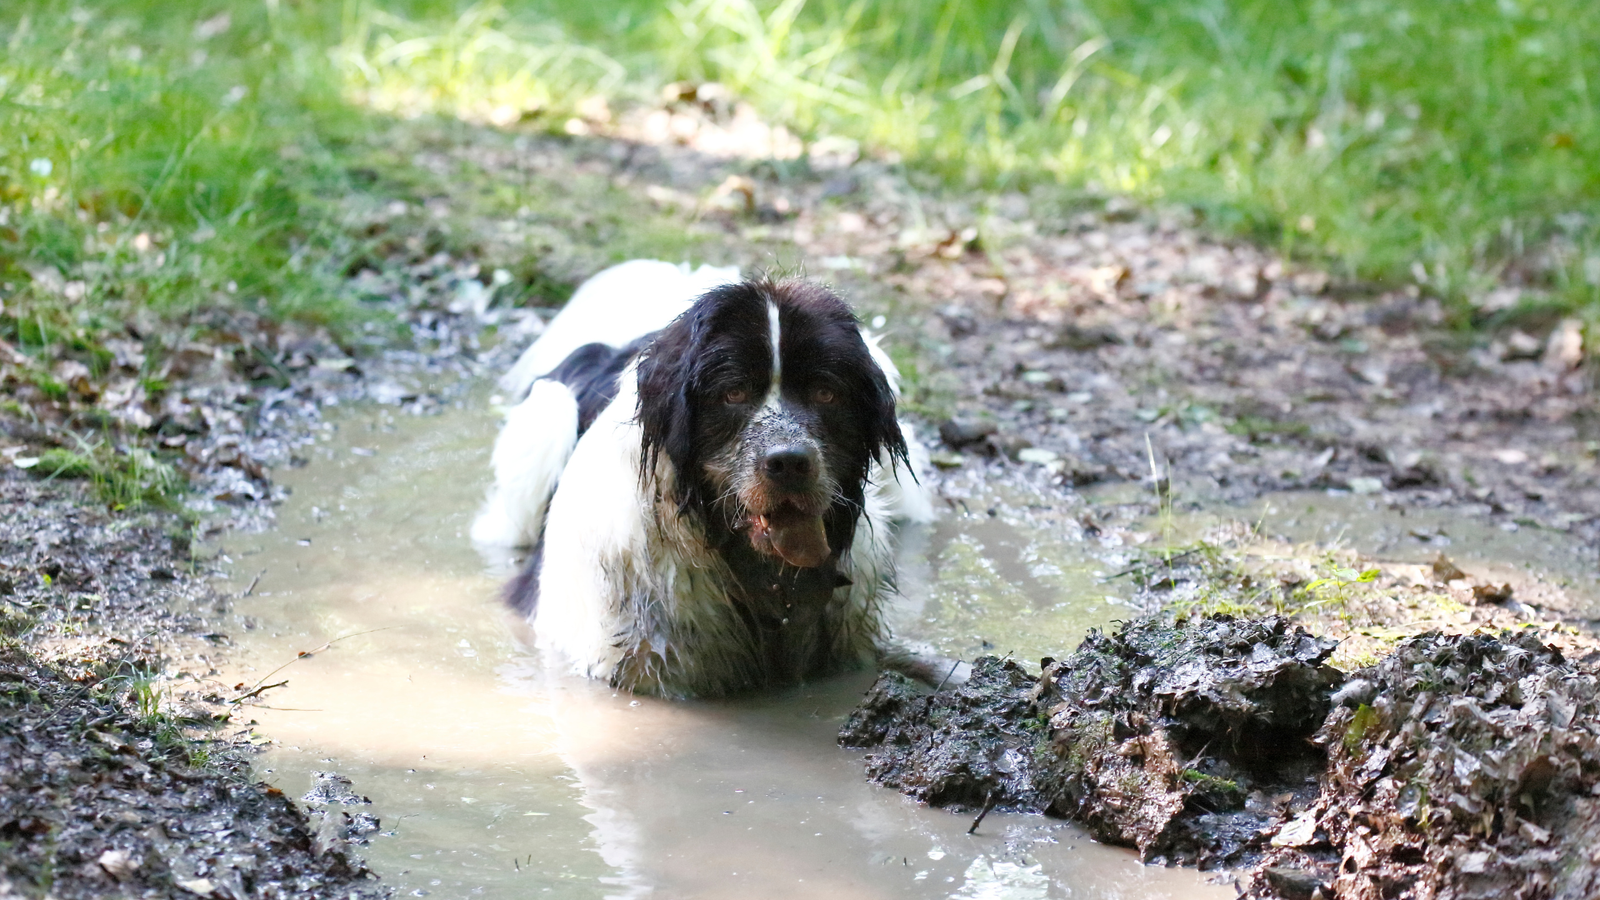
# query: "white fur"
{"points": [[596, 536], [529, 455], [626, 578], [775, 336], [904, 494], [618, 305]]}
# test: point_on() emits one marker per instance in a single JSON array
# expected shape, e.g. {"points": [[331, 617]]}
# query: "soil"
{"points": [[103, 790], [966, 748], [1461, 766], [1185, 738]]}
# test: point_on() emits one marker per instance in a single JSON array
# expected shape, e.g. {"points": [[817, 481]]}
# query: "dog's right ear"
{"points": [[666, 410]]}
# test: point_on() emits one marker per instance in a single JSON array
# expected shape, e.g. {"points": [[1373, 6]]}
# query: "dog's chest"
{"points": [[792, 616]]}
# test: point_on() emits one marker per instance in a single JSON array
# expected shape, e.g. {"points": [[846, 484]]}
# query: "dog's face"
{"points": [[766, 401]]}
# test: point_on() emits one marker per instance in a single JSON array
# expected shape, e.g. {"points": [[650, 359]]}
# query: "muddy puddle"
{"points": [[1553, 562], [1552, 569], [493, 777]]}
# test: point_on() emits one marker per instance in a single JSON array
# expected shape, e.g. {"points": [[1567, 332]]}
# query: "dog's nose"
{"points": [[790, 468]]}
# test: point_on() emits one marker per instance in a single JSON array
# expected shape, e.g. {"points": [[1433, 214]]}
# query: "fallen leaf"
{"points": [[1446, 570], [1297, 832], [119, 864]]}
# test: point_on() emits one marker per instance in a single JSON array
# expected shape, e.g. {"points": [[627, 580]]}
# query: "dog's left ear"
{"points": [[883, 428], [666, 415]]}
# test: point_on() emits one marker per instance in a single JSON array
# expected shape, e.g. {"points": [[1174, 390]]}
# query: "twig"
{"points": [[254, 692], [306, 654], [1198, 756], [947, 676], [988, 804], [253, 582]]}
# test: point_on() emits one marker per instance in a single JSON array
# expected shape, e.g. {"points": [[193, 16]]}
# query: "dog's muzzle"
{"points": [[791, 527]]}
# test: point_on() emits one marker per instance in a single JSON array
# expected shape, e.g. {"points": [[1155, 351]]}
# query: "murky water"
{"points": [[1551, 567], [494, 778]]}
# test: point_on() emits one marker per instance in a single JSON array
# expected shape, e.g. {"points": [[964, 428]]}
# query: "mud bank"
{"points": [[1459, 766], [1462, 766], [103, 791], [97, 802]]}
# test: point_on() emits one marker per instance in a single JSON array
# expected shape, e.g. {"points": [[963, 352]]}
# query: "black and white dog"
{"points": [[706, 470]]}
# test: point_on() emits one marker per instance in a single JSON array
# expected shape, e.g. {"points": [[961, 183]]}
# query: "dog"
{"points": [[706, 470]]}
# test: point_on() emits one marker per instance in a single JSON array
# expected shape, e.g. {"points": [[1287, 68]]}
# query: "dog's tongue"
{"points": [[799, 538]]}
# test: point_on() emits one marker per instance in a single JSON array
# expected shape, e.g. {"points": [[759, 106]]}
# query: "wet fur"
{"points": [[647, 573]]}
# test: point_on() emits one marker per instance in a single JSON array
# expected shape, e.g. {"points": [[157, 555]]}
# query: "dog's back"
{"points": [[566, 377]]}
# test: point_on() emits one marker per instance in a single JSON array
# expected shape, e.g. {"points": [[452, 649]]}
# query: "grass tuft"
{"points": [[479, 66], [123, 477]]}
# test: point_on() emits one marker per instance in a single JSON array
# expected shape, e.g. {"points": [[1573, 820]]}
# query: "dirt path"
{"points": [[1081, 327], [1081, 344]]}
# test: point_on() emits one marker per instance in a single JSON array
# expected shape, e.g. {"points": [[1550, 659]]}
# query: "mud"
{"points": [[95, 802], [1461, 766], [1183, 738], [1186, 737], [967, 748], [103, 790]]}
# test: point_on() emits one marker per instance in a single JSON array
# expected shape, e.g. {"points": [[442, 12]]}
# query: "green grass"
{"points": [[154, 160], [123, 477], [160, 157], [1403, 141]]}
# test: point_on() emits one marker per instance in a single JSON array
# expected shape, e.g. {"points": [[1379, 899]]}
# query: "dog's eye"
{"points": [[736, 396], [823, 395]]}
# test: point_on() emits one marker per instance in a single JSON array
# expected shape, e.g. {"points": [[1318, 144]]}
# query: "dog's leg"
{"points": [[923, 664], [532, 449]]}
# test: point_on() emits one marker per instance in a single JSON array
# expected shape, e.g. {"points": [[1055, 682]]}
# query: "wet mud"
{"points": [[97, 802], [967, 748], [1183, 738], [104, 791], [1186, 738], [1462, 766]]}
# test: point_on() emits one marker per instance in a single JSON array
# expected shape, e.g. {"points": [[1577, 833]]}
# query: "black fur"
{"points": [[591, 373], [722, 343], [522, 592]]}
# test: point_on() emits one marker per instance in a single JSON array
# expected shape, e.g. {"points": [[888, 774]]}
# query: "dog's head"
{"points": [[771, 410]]}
